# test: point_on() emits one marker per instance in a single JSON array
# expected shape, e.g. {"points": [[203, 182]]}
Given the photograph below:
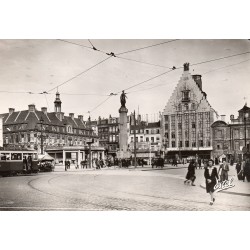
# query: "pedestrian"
{"points": [[65, 165], [29, 163], [238, 169], [223, 171], [211, 177], [246, 170], [190, 177], [25, 163]]}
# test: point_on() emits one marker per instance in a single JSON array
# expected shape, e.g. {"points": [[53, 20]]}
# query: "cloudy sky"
{"points": [[41, 65]]}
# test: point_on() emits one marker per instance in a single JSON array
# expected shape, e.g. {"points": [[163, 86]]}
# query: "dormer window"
{"points": [[69, 129], [186, 95]]}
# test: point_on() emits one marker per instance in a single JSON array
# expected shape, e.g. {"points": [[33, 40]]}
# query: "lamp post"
{"points": [[135, 160], [41, 121]]}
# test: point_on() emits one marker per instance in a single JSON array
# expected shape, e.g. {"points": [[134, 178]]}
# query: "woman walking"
{"points": [[190, 177], [211, 176]]}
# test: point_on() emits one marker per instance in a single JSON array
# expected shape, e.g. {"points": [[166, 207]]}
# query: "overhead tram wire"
{"points": [[152, 64], [100, 104], [194, 64], [83, 72], [84, 46], [153, 45], [227, 66]]}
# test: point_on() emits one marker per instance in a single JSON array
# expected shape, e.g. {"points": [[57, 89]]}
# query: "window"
{"points": [[141, 138], [201, 143], [193, 124], [16, 156], [147, 139], [173, 144], [218, 146], [180, 144], [152, 139], [185, 95], [219, 133], [187, 144], [179, 107], [157, 138], [186, 107], [136, 139], [166, 127], [193, 144], [166, 118], [132, 139], [193, 106], [5, 156], [166, 135], [179, 125], [173, 135], [147, 132]]}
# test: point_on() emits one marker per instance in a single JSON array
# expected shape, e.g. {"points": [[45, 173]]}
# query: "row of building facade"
{"points": [[187, 127]]}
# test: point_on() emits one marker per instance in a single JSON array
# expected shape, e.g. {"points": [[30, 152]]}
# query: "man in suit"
{"points": [[223, 170]]}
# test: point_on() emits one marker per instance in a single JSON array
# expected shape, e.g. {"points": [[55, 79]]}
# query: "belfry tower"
{"points": [[57, 103]]}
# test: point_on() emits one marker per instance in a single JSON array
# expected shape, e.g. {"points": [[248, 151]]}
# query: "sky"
{"points": [[41, 65]]}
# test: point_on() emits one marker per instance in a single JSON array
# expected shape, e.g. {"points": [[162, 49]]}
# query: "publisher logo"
{"points": [[220, 186]]}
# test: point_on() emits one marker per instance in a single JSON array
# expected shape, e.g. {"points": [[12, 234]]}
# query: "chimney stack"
{"points": [[32, 107], [197, 79], [71, 115], [11, 110], [80, 117], [44, 110], [223, 118]]}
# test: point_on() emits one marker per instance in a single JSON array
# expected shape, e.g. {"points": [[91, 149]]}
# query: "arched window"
{"points": [[69, 129], [193, 106], [186, 106]]}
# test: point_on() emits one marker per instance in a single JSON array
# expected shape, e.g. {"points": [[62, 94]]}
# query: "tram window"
{"points": [[5, 156], [16, 156]]}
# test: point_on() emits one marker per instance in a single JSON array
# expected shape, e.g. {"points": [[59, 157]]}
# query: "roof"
{"points": [[218, 123], [244, 109]]}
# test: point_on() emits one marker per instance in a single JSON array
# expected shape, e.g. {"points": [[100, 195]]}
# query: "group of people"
{"points": [[27, 164], [243, 170], [212, 176]]}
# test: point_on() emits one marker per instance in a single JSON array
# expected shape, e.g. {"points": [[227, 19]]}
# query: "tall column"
{"points": [[78, 158], [123, 135], [64, 157]]}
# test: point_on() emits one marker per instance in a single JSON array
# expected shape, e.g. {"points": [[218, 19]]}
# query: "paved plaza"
{"points": [[141, 189]]}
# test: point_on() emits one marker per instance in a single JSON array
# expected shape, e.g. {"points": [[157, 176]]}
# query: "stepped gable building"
{"points": [[22, 129], [187, 119], [230, 138]]}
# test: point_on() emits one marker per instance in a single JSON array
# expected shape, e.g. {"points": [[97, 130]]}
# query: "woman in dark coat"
{"points": [[211, 176], [190, 177]]}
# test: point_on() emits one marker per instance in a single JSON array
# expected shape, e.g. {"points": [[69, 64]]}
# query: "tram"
{"points": [[14, 162]]}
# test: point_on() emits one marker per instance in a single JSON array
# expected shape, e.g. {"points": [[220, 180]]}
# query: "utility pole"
{"points": [[41, 120], [135, 142], [90, 158]]}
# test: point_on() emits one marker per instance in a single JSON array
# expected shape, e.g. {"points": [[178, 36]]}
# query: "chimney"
{"points": [[197, 79], [32, 107], [80, 117], [231, 117], [222, 117], [71, 115], [44, 110], [11, 110]]}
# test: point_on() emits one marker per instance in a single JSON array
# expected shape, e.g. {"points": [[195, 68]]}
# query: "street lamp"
{"points": [[41, 121]]}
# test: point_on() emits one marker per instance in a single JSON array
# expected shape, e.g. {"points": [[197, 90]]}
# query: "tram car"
{"points": [[13, 162]]}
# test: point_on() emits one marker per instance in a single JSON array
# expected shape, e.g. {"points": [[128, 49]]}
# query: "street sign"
{"points": [[244, 150]]}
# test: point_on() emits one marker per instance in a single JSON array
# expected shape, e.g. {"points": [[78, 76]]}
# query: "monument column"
{"points": [[123, 134]]}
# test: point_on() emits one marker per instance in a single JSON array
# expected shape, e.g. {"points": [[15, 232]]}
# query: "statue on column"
{"points": [[186, 66], [123, 99]]}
